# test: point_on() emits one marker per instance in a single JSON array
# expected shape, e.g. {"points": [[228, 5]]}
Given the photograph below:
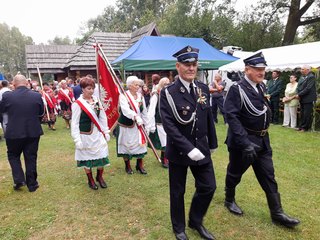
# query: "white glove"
{"points": [[79, 144], [107, 136], [196, 155], [139, 120]]}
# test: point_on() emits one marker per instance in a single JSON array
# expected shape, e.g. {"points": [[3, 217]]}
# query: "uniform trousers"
{"points": [[205, 184], [306, 115], [262, 167], [29, 148], [274, 106]]}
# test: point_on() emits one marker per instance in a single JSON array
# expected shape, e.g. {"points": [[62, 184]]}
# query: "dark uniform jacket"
{"points": [[180, 140], [307, 89], [24, 108], [240, 119]]}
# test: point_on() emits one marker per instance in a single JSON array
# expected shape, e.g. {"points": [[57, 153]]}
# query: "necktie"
{"points": [[259, 89], [193, 95]]}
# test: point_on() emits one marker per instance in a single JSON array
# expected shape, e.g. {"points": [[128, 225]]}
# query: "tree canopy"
{"points": [[12, 50], [269, 23]]}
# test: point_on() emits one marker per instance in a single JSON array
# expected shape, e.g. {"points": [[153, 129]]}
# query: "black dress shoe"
{"points": [[233, 207], [17, 186], [33, 188], [181, 236], [203, 232]]}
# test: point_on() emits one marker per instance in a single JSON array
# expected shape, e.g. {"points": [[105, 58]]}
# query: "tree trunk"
{"points": [[292, 24]]}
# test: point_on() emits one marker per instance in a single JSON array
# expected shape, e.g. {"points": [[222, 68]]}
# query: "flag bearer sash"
{"points": [[90, 112]]}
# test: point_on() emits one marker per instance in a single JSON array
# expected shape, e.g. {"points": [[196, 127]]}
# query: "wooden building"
{"points": [[76, 61]]}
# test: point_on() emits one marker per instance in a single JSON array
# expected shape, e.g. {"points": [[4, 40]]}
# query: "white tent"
{"points": [[284, 58]]}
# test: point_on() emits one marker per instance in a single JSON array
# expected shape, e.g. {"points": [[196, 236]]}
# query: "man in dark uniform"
{"points": [[187, 119], [248, 116], [24, 108], [274, 88]]}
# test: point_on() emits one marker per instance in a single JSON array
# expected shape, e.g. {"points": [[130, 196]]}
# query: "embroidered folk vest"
{"points": [[85, 123]]}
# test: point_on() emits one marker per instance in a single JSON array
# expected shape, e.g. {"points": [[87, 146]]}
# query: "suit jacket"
{"points": [[307, 89], [24, 108], [275, 88], [240, 119], [180, 138]]}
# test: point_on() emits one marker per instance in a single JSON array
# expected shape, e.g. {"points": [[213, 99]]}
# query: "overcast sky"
{"points": [[43, 20]]}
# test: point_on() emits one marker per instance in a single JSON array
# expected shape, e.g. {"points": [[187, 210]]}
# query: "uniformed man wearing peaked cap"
{"points": [[256, 60], [248, 115], [187, 119]]}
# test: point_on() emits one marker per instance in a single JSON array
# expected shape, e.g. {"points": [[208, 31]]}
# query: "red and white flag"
{"points": [[109, 92]]}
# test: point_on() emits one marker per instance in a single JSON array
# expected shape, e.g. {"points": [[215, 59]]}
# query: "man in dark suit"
{"points": [[24, 108], [248, 115], [77, 91], [275, 88], [187, 119], [307, 94]]}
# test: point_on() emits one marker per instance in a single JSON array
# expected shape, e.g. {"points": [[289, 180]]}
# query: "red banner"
{"points": [[109, 93]]}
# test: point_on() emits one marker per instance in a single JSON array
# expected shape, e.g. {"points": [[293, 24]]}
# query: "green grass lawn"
{"points": [[137, 206]]}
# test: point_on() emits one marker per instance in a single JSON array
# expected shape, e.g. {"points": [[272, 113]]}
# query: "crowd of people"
{"points": [[178, 118], [296, 99]]}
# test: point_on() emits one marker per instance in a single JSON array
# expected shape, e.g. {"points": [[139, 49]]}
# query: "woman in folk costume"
{"points": [[154, 125], [65, 99], [131, 141], [90, 132], [51, 106]]}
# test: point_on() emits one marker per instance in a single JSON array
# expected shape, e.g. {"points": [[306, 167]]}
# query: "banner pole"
{"points": [[124, 93], [41, 85]]}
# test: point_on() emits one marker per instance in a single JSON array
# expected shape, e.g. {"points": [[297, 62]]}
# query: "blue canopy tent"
{"points": [[155, 53], [1, 77]]}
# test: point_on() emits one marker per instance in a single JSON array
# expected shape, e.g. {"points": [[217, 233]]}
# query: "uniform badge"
{"points": [[184, 112], [189, 49], [188, 107], [182, 89]]}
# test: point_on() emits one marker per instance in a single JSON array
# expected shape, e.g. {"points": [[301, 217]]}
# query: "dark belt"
{"points": [[260, 133]]}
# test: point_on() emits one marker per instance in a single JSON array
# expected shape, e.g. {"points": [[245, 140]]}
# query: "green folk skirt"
{"points": [[101, 162]]}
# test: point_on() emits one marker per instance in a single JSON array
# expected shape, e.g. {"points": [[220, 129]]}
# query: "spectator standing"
{"points": [[307, 95], [155, 80], [187, 119], [217, 92], [90, 132], [275, 88], [77, 90], [290, 103], [4, 116], [25, 108], [248, 116]]}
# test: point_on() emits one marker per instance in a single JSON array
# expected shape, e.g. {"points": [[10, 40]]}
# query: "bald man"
{"points": [[307, 95], [24, 108]]}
